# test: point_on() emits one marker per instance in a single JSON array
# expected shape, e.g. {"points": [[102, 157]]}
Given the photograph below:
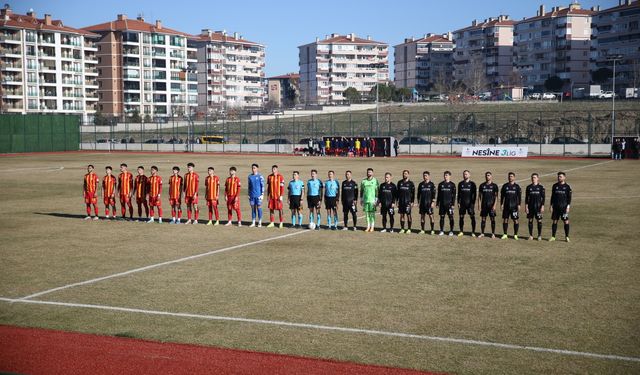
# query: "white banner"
{"points": [[494, 152]]}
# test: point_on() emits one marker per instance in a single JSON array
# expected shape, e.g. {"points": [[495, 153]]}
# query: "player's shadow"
{"points": [[63, 215]]}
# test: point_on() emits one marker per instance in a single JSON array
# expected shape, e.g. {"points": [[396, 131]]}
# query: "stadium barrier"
{"points": [[39, 133]]}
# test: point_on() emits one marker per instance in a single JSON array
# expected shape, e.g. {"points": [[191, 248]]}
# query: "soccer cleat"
{"points": [[493, 236], [260, 224], [515, 237], [384, 230], [433, 232], [88, 218], [568, 240], [216, 223], [355, 229], [228, 223], [441, 233], [96, 218], [318, 227], [504, 237], [194, 222], [188, 221], [345, 228], [390, 230], [253, 224], [460, 234], [450, 234], [552, 239], [281, 225], [473, 235], [173, 221], [539, 238], [160, 220], [401, 231], [421, 232], [481, 235], [150, 221], [530, 238], [271, 225], [239, 223], [407, 231], [209, 222]]}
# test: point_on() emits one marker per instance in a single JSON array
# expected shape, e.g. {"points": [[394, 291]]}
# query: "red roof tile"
{"points": [[133, 25], [220, 37], [286, 76], [23, 21], [560, 13], [344, 39], [483, 25]]}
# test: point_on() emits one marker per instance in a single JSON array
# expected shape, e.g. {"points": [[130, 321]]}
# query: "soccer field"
{"points": [[449, 304]]}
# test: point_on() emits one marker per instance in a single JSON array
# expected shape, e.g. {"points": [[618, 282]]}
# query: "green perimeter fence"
{"points": [[39, 133]]}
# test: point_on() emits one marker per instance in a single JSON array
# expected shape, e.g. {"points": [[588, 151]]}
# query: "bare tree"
{"points": [[476, 77]]}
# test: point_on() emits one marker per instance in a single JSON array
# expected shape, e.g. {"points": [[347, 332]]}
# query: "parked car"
{"points": [[414, 141], [535, 96], [518, 141], [154, 141], [277, 141], [548, 96], [606, 95], [107, 141], [566, 140], [276, 112], [462, 141]]}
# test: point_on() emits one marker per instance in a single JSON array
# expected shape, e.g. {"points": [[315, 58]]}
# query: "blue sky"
{"points": [[284, 25]]}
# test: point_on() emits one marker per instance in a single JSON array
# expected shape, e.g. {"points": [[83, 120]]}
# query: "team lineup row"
{"points": [[389, 197]]}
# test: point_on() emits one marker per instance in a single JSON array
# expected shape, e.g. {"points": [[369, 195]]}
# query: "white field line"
{"points": [[280, 323], [151, 266], [45, 169]]}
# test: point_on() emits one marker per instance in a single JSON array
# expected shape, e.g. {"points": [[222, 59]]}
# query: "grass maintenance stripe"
{"points": [[333, 328]]}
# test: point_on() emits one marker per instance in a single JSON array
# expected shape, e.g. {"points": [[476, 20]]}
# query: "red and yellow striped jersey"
{"points": [[175, 187], [141, 185], [108, 185], [275, 185], [191, 182], [232, 186], [155, 186], [213, 187], [125, 183], [91, 181]]}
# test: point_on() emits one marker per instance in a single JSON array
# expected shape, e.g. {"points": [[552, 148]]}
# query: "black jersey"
{"points": [[406, 192], [534, 196], [426, 193], [349, 192], [560, 195], [511, 196], [387, 194], [488, 194], [446, 194], [467, 193]]}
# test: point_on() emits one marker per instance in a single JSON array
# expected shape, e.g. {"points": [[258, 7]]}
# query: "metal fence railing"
{"points": [[544, 132]]}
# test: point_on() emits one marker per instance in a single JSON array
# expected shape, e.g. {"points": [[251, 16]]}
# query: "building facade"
{"points": [[423, 63], [46, 67], [616, 31], [284, 90], [555, 43], [483, 54], [145, 68], [329, 66], [230, 72]]}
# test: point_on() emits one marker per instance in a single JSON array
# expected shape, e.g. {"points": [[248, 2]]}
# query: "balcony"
{"points": [[12, 92], [10, 38], [91, 82], [12, 80], [11, 104], [48, 39], [89, 44], [11, 52], [11, 65]]}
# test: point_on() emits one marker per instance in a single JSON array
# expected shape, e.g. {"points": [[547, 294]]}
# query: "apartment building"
{"points": [[45, 66], [555, 43], [329, 66], [483, 54], [145, 68], [422, 63], [616, 31], [230, 71], [283, 90]]}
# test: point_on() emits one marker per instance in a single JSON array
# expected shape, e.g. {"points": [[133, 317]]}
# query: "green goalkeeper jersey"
{"points": [[369, 190]]}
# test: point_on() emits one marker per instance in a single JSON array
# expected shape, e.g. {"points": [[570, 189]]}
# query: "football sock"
{"points": [[409, 222], [531, 227], [473, 223], [259, 213], [505, 226], [196, 214], [179, 213], [189, 213], [554, 229], [318, 216], [566, 230], [493, 226], [483, 225], [271, 217], [335, 220], [384, 220], [329, 219], [215, 211], [311, 217], [210, 214], [253, 213], [441, 223], [299, 219], [451, 221], [355, 220], [173, 212], [402, 224], [391, 221], [106, 211], [88, 210], [461, 223], [293, 219], [516, 227], [539, 228], [422, 223], [432, 224]]}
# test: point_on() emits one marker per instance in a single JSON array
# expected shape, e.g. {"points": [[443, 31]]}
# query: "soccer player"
{"points": [[153, 192], [109, 184], [534, 204], [314, 197], [387, 196], [256, 193], [406, 199], [191, 184], [369, 198], [296, 189], [487, 201], [275, 187], [125, 189], [232, 196], [212, 193], [446, 201], [331, 197], [90, 191], [560, 205], [349, 199], [176, 184], [427, 200], [466, 202], [140, 186], [510, 199]]}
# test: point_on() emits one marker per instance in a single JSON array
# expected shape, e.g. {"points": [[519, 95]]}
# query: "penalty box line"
{"points": [[280, 323]]}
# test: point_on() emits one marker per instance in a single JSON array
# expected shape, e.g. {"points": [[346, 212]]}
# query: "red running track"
{"points": [[43, 351]]}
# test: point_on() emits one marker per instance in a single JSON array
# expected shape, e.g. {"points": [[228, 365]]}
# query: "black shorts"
{"points": [[426, 209], [313, 201], [404, 208], [466, 210], [387, 209], [487, 211], [445, 210], [534, 213], [330, 203], [559, 213], [349, 207], [294, 202], [510, 213]]}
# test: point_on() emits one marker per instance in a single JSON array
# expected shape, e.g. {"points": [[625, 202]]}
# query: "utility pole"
{"points": [[613, 58]]}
